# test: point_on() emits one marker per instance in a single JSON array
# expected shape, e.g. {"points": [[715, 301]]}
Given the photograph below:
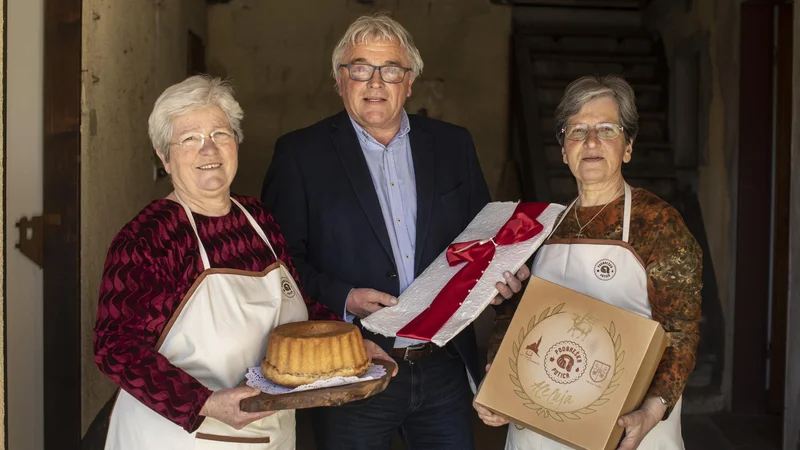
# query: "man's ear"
{"points": [[411, 79], [338, 86]]}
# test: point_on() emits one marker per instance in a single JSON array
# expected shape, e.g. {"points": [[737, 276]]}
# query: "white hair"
{"points": [[193, 93], [377, 28]]}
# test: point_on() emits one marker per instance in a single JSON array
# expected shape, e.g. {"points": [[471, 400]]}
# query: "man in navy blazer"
{"points": [[366, 200]]}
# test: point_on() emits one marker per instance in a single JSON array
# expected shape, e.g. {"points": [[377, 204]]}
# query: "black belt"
{"points": [[414, 352]]}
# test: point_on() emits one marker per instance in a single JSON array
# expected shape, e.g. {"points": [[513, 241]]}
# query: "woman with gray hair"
{"points": [[191, 288], [621, 245]]}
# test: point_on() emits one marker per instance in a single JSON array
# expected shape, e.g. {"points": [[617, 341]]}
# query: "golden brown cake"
{"points": [[303, 352]]}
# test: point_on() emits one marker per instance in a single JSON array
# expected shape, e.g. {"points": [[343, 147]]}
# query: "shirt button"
{"points": [[398, 220]]}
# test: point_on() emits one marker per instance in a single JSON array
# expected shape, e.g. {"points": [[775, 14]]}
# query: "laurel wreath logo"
{"points": [[556, 415]]}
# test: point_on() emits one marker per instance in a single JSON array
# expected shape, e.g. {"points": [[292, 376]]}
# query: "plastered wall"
{"points": [[23, 182], [132, 50], [278, 54]]}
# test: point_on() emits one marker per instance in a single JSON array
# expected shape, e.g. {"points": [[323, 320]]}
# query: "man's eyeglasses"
{"points": [[196, 141], [581, 131], [364, 72]]}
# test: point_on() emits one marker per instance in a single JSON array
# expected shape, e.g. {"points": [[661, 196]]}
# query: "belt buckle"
{"points": [[414, 347]]}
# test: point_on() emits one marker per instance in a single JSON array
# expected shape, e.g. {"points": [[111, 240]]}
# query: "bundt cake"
{"points": [[303, 352]]}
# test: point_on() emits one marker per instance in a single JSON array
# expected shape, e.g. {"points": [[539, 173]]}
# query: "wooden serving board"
{"points": [[332, 396]]}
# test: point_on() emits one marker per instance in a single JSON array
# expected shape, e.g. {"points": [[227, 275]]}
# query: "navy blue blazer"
{"points": [[320, 192]]}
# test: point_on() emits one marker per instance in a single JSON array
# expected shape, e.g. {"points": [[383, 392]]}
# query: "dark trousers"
{"points": [[428, 402]]}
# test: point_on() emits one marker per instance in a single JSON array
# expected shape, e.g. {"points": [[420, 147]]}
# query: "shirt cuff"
{"points": [[346, 315]]}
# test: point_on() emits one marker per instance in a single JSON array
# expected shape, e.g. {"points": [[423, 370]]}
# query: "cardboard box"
{"points": [[570, 365]]}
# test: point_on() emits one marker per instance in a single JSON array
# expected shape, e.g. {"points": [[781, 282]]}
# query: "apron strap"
{"points": [[256, 226], [626, 215], [626, 224], [203, 254]]}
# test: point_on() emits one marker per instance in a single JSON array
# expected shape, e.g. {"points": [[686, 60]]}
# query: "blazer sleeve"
{"points": [[284, 194]]}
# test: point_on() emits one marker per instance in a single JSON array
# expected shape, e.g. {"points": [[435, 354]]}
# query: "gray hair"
{"points": [[193, 93], [377, 28], [588, 88]]}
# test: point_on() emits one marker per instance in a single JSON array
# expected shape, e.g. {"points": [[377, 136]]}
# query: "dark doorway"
{"points": [[782, 193], [762, 226], [61, 263]]}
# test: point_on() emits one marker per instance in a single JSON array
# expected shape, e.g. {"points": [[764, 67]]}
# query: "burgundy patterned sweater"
{"points": [[151, 264]]}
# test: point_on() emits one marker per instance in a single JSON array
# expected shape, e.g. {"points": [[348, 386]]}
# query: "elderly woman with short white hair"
{"points": [[658, 264], [191, 288]]}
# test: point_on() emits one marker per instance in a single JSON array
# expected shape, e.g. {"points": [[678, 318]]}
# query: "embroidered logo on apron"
{"points": [[286, 285], [605, 269], [565, 362]]}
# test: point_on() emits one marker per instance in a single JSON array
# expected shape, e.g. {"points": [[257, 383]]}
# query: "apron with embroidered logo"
{"points": [[610, 271], [219, 330]]}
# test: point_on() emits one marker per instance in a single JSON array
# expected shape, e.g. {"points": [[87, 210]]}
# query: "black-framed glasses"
{"points": [[364, 72], [581, 131], [196, 141]]}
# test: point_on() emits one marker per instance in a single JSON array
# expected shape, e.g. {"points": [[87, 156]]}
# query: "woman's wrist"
{"points": [[656, 406]]}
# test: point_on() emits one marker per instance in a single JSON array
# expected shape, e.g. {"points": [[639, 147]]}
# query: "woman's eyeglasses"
{"points": [[581, 131], [196, 141]]}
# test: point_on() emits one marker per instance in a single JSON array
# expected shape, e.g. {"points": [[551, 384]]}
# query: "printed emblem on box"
{"points": [[551, 382]]}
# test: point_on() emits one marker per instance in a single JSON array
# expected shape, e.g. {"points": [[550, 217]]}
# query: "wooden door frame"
{"points": [[3, 219], [61, 209], [782, 182], [791, 416], [754, 189]]}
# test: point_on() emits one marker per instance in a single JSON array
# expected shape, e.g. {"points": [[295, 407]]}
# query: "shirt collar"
{"points": [[405, 128]]}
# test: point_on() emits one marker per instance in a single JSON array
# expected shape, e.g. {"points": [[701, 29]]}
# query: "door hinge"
{"points": [[31, 235]]}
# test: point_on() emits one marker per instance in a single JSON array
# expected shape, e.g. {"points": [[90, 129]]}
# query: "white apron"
{"points": [[610, 271], [219, 330]]}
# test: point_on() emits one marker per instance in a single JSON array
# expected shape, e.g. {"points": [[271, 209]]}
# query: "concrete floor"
{"points": [[719, 431]]}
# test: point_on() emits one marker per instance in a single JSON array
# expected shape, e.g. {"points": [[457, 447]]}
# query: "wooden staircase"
{"points": [[546, 61]]}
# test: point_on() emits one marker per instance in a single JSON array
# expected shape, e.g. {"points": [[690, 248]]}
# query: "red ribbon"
{"points": [[478, 255]]}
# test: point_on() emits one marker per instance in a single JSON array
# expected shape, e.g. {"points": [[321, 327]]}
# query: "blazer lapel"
{"points": [[355, 165], [422, 154]]}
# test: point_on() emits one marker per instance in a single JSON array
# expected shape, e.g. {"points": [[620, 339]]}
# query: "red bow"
{"points": [[478, 255]]}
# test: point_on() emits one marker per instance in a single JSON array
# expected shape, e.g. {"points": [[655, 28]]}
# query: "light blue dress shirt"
{"points": [[392, 170]]}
